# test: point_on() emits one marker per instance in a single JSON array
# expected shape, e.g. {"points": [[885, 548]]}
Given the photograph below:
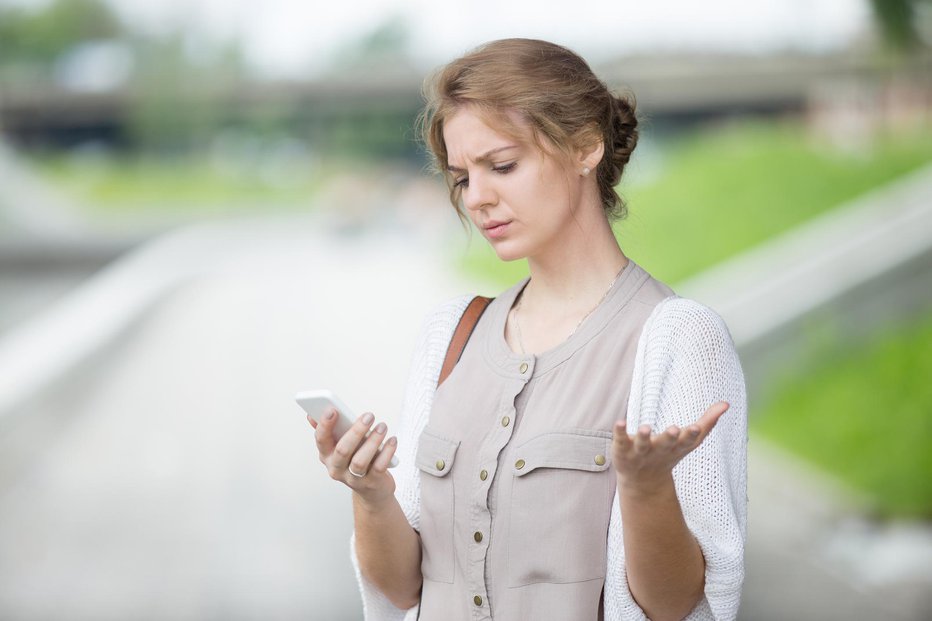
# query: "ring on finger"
{"points": [[355, 474]]}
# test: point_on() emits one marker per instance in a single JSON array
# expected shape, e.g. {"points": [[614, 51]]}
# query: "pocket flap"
{"points": [[577, 449], [435, 453]]}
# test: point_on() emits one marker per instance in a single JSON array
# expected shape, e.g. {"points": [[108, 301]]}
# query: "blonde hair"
{"points": [[552, 89]]}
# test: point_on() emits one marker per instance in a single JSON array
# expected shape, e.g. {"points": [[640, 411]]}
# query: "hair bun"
{"points": [[625, 124]]}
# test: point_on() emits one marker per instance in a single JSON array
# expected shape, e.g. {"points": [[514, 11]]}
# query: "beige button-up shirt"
{"points": [[515, 463]]}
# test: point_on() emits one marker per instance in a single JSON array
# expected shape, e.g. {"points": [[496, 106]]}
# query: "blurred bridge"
{"points": [[376, 110]]}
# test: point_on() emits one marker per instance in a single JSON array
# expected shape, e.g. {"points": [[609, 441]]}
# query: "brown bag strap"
{"points": [[462, 333]]}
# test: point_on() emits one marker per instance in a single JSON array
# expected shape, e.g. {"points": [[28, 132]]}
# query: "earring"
{"points": [[585, 171]]}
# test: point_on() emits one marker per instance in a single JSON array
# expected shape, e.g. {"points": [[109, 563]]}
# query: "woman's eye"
{"points": [[504, 169]]}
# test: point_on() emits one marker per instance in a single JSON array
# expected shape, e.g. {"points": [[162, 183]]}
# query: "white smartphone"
{"points": [[318, 402]]}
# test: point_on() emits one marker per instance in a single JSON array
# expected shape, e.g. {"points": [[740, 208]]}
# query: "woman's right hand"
{"points": [[355, 454]]}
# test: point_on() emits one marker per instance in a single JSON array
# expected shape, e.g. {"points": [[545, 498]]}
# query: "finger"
{"points": [[622, 443], [688, 438], [311, 420], [697, 432], [668, 438], [323, 433], [384, 458], [642, 439], [620, 433], [351, 440], [708, 420], [362, 458]]}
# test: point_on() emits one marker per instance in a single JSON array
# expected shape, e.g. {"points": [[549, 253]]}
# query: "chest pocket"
{"points": [[435, 458], [561, 500]]}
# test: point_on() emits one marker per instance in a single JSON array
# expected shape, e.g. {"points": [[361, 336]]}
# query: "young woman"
{"points": [[586, 457]]}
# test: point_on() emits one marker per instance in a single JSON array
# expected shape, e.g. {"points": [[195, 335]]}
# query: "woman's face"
{"points": [[519, 197]]}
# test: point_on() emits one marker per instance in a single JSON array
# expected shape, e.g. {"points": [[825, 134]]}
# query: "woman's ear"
{"points": [[590, 154]]}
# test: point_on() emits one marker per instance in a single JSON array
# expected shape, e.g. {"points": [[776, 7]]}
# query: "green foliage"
{"points": [[864, 412], [896, 20], [723, 190], [42, 35]]}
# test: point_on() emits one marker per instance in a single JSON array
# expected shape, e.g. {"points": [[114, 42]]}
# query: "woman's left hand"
{"points": [[643, 462]]}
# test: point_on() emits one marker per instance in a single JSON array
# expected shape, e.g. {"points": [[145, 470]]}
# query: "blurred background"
{"points": [[206, 206]]}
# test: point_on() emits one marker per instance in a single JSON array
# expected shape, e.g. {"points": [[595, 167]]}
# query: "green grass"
{"points": [[722, 190], [111, 184], [864, 413]]}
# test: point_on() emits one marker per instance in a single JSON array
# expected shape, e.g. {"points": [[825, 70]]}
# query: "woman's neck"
{"points": [[575, 275]]}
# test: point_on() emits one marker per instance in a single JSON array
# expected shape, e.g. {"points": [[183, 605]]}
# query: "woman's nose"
{"points": [[478, 193]]}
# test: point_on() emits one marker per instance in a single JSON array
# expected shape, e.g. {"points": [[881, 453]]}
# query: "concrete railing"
{"points": [[48, 346], [860, 267]]}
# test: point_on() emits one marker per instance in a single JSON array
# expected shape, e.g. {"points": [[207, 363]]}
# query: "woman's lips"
{"points": [[497, 229]]}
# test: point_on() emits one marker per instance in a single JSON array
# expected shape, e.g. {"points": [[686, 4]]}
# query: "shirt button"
{"points": [[600, 460], [483, 474], [477, 600], [440, 464], [477, 536], [505, 421], [523, 367], [519, 464]]}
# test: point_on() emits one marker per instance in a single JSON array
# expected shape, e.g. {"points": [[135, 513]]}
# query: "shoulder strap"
{"points": [[462, 333]]}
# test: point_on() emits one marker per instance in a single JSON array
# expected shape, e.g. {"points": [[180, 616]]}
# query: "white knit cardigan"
{"points": [[685, 361]]}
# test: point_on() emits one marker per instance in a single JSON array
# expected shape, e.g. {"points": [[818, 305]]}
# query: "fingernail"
{"points": [[694, 432], [329, 414], [367, 418], [380, 428], [392, 440]]}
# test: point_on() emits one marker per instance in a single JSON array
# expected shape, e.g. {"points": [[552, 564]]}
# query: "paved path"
{"points": [[813, 555], [173, 476]]}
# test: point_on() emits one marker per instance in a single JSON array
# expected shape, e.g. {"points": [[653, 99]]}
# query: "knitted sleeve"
{"points": [[430, 350], [685, 362]]}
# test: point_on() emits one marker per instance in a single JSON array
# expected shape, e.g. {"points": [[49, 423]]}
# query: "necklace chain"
{"points": [[514, 311]]}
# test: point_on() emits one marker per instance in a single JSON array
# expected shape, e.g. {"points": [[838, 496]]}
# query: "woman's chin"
{"points": [[505, 253]]}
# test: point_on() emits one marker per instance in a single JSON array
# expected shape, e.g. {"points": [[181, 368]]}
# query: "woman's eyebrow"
{"points": [[484, 157]]}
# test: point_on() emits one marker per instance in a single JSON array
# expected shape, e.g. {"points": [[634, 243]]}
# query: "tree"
{"points": [[40, 36], [897, 22]]}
